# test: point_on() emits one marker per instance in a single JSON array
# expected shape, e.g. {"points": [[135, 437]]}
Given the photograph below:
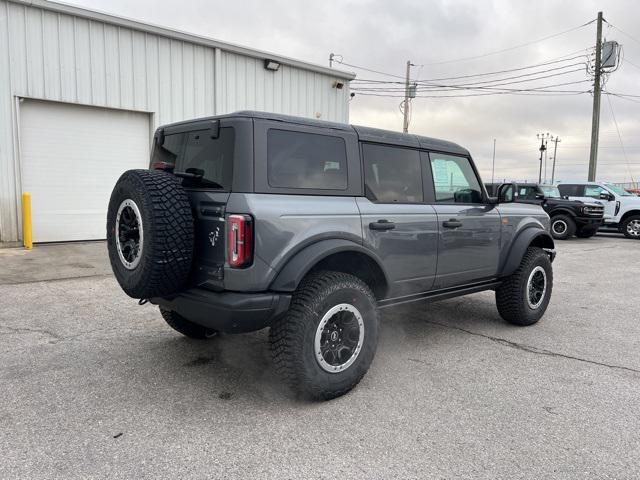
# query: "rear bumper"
{"points": [[228, 312]]}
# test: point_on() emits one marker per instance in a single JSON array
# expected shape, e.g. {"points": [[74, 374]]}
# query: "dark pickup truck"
{"points": [[568, 217]]}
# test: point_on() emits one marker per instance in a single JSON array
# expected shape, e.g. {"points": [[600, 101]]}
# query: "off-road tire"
{"points": [[625, 227], [567, 222], [512, 294], [292, 337], [168, 226], [185, 327], [586, 232]]}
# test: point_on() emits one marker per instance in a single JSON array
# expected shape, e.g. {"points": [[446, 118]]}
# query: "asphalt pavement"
{"points": [[94, 386]]}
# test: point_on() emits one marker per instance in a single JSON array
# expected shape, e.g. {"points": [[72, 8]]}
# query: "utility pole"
{"points": [[555, 153], [493, 163], [543, 148], [405, 124], [595, 120]]}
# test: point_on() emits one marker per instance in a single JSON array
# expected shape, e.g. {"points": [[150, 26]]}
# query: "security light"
{"points": [[271, 65]]}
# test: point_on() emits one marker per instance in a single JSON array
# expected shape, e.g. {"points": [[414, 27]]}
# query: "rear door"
{"points": [[201, 153], [397, 221], [469, 228]]}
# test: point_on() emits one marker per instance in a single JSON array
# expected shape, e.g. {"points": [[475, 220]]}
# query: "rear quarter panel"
{"points": [[284, 225]]}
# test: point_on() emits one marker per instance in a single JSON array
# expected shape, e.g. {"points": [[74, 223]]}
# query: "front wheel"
{"points": [[326, 342], [524, 296], [631, 227], [562, 227]]}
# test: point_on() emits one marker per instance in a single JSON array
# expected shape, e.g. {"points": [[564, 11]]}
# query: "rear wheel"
{"points": [[185, 327], [631, 227], [524, 296], [586, 232], [562, 227], [325, 343]]}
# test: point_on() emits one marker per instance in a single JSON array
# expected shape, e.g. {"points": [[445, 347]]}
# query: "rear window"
{"points": [[197, 153], [306, 160], [571, 190], [392, 174]]}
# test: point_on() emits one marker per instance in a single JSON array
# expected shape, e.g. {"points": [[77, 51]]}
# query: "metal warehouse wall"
{"points": [[53, 55]]}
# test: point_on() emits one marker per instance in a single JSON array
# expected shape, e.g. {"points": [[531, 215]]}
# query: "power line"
{"points": [[425, 83], [624, 153], [512, 48], [623, 32], [516, 92], [470, 86], [528, 67]]}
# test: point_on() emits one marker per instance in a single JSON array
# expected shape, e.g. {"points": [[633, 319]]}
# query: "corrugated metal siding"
{"points": [[70, 59], [61, 57], [245, 83]]}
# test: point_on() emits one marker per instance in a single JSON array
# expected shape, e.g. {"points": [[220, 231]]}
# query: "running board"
{"points": [[443, 294]]}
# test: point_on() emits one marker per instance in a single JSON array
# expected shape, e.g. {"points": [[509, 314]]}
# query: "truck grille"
{"points": [[594, 210]]}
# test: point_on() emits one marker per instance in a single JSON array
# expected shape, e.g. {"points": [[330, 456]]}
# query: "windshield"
{"points": [[618, 190], [550, 191], [203, 161]]}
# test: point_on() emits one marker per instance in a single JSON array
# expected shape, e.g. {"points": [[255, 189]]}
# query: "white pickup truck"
{"points": [[621, 208]]}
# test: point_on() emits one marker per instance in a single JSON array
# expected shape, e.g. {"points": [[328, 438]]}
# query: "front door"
{"points": [[397, 223], [469, 228]]}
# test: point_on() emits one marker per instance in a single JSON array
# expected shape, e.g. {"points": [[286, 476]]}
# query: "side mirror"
{"points": [[507, 193], [492, 200], [606, 196], [539, 196]]}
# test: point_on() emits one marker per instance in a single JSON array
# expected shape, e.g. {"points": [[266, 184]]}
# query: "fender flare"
{"points": [[520, 244], [289, 277], [563, 211]]}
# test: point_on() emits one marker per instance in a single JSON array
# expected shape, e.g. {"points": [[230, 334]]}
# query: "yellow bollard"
{"points": [[27, 232]]}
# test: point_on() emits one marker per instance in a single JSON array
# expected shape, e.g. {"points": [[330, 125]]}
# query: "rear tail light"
{"points": [[166, 166], [239, 241]]}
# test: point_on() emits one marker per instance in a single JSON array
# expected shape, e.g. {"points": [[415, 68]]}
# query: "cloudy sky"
{"points": [[439, 37]]}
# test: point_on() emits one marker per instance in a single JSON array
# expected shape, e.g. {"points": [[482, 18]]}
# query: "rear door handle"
{"points": [[382, 225], [452, 223]]}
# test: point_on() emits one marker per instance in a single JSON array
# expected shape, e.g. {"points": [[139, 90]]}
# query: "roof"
{"points": [[366, 134], [180, 35]]}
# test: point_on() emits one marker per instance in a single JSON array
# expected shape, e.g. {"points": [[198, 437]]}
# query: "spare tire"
{"points": [[150, 233]]}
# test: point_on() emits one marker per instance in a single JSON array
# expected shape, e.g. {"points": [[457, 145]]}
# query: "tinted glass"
{"points": [[306, 160], [571, 190], [454, 179], [196, 152], [527, 193], [594, 191], [392, 174], [551, 191], [618, 190]]}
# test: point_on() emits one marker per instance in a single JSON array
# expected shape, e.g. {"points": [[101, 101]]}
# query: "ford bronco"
{"points": [[254, 220]]}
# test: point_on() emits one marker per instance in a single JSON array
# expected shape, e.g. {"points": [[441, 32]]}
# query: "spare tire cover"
{"points": [[150, 233]]}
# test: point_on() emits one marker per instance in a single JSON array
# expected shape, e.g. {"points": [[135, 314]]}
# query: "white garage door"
{"points": [[71, 158]]}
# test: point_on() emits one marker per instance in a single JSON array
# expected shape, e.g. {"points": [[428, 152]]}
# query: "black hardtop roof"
{"points": [[366, 134]]}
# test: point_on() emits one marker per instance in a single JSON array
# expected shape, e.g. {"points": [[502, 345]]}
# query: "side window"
{"points": [[594, 191], [306, 160], [454, 179], [571, 190], [392, 174], [527, 193]]}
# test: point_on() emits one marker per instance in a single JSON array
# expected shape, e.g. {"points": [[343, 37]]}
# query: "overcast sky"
{"points": [[383, 35]]}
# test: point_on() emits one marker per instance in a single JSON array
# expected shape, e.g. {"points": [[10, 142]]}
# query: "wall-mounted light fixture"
{"points": [[338, 85], [271, 65]]}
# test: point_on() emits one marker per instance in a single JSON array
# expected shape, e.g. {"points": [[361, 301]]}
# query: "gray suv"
{"points": [[254, 220]]}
